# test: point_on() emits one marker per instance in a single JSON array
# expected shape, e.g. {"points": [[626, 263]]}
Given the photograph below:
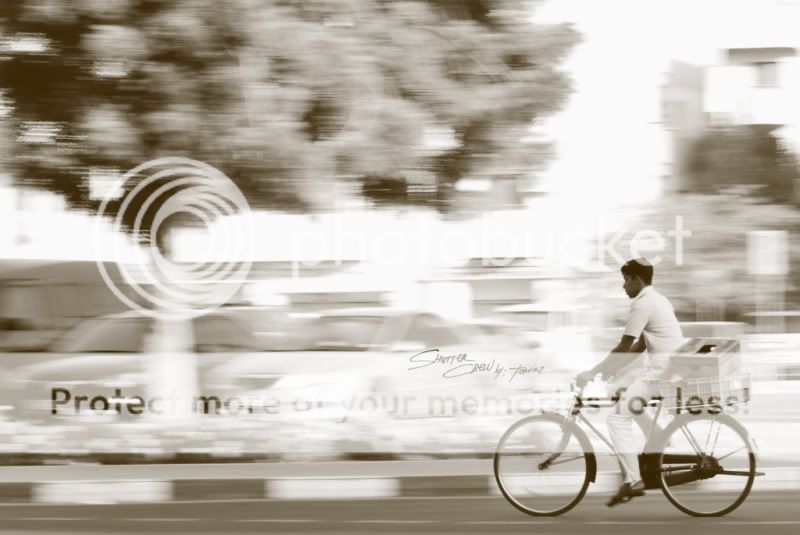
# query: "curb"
{"points": [[306, 488], [142, 491]]}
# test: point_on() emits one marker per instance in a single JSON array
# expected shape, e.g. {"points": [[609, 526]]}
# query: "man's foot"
{"points": [[626, 493]]}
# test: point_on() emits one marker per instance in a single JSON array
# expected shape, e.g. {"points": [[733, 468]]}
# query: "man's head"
{"points": [[638, 274]]}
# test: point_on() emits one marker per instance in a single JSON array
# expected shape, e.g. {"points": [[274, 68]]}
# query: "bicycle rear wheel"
{"points": [[708, 465], [543, 465]]}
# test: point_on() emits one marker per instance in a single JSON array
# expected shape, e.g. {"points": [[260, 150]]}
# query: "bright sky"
{"points": [[611, 148]]}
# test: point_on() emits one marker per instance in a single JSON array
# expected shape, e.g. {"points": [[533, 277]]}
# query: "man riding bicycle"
{"points": [[651, 326]]}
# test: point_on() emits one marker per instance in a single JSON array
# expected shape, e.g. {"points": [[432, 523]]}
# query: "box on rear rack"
{"points": [[714, 393], [705, 372], [706, 357]]}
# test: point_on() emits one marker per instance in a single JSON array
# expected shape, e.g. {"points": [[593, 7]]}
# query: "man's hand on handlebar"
{"points": [[584, 378]]}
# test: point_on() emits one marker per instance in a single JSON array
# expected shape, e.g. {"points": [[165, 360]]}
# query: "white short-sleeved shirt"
{"points": [[652, 314]]}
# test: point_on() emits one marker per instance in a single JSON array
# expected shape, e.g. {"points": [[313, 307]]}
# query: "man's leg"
{"points": [[646, 423], [631, 405]]}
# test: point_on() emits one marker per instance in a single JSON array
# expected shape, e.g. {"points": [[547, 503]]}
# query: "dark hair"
{"points": [[638, 267]]}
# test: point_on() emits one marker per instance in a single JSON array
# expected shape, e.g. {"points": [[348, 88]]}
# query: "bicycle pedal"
{"points": [[626, 494]]}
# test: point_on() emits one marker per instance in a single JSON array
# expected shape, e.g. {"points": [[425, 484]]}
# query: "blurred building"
{"points": [[753, 81], [756, 85], [683, 114], [757, 76]]}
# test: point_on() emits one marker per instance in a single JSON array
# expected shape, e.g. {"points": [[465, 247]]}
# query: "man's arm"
{"points": [[625, 352]]}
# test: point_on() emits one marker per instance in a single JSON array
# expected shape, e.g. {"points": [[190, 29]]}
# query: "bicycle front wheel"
{"points": [[543, 464], [707, 464]]}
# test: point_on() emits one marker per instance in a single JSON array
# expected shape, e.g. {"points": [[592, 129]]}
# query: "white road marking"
{"points": [[710, 520], [281, 520], [504, 522], [531, 522], [51, 518], [165, 519], [395, 521]]}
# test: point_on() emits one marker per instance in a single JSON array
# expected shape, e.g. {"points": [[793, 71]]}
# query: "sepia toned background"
{"points": [[376, 179]]}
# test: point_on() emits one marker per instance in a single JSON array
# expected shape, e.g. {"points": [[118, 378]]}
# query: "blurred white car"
{"points": [[355, 352], [388, 380], [502, 331], [108, 352], [556, 330], [368, 377]]}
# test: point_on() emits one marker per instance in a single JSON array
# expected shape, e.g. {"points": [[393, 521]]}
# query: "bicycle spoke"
{"points": [[545, 442], [708, 436], [697, 484], [692, 441], [716, 438], [731, 453], [567, 460]]}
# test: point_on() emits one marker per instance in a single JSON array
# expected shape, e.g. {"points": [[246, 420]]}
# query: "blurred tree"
{"points": [[726, 156], [710, 271], [284, 96], [742, 178]]}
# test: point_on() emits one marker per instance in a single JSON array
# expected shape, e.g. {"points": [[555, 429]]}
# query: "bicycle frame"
{"points": [[665, 462], [648, 461], [575, 415]]}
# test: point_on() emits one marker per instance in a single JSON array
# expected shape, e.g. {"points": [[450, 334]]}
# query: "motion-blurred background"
{"points": [[466, 176]]}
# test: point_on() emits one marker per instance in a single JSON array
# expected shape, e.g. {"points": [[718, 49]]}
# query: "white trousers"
{"points": [[631, 406]]}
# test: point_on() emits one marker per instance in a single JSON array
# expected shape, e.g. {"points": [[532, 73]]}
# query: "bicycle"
{"points": [[544, 464]]}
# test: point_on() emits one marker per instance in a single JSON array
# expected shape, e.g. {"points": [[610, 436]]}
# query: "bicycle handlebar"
{"points": [[577, 390]]}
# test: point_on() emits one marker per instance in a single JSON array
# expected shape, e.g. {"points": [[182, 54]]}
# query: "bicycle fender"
{"points": [[591, 466]]}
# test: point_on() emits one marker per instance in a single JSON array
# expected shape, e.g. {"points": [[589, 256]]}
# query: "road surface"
{"points": [[764, 512]]}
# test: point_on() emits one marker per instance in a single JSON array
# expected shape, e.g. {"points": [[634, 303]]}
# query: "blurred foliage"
{"points": [[727, 156], [711, 273], [740, 179], [284, 96]]}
